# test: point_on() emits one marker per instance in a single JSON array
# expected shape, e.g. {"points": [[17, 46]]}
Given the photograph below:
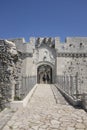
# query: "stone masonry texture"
{"points": [[10, 64], [20, 62], [42, 113]]}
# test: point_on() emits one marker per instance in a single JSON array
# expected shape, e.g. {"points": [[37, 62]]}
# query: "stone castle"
{"points": [[42, 60]]}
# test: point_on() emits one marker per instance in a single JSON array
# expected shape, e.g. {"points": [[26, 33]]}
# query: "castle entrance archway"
{"points": [[44, 74]]}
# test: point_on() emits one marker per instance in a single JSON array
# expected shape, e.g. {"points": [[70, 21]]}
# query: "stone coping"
{"points": [[23, 103], [70, 99]]}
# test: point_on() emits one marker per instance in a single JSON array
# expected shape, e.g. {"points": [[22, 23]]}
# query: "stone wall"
{"points": [[78, 66], [72, 45], [72, 60], [10, 70]]}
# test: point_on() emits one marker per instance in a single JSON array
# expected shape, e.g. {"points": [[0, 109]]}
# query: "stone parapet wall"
{"points": [[76, 40], [73, 45]]}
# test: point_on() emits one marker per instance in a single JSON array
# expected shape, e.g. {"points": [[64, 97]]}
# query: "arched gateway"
{"points": [[44, 74]]}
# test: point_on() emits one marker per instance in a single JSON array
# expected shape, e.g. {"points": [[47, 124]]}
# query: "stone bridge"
{"points": [[47, 109]]}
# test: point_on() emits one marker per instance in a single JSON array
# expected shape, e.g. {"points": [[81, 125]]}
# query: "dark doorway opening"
{"points": [[44, 74]]}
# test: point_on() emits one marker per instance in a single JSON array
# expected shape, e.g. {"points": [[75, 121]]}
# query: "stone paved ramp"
{"points": [[42, 113]]}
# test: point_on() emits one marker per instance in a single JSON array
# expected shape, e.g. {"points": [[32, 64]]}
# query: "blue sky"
{"points": [[43, 18]]}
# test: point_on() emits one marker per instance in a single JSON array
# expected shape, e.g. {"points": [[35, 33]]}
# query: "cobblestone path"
{"points": [[42, 113]]}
